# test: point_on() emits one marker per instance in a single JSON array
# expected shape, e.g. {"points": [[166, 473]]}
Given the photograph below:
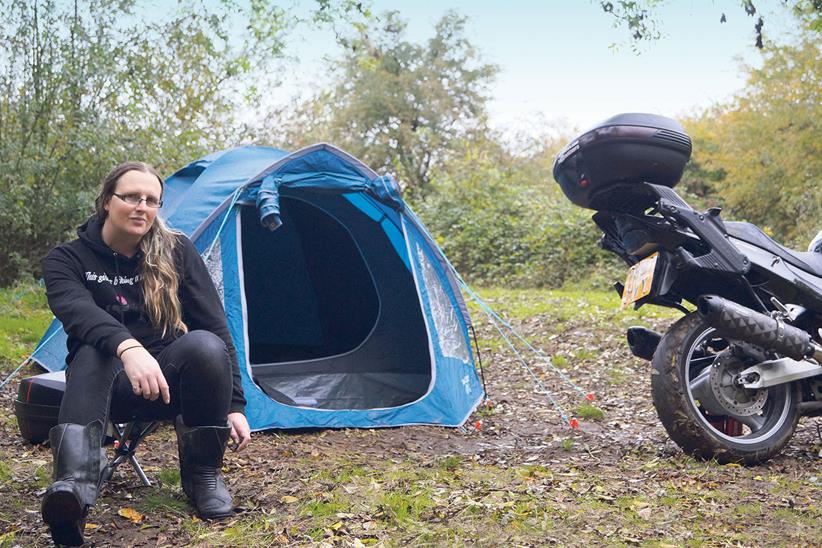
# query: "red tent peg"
{"points": [[478, 425], [574, 423], [590, 396]]}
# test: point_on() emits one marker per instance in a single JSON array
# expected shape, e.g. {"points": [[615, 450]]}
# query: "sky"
{"points": [[557, 63]]}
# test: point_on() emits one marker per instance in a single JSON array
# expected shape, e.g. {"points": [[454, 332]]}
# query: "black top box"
{"points": [[598, 169], [38, 404]]}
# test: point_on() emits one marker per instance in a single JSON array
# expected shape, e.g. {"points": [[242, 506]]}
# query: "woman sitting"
{"points": [[147, 335]]}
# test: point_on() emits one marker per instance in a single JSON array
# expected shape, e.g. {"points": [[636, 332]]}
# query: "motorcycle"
{"points": [[732, 377]]}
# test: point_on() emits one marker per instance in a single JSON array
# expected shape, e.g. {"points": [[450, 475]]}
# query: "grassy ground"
{"points": [[517, 475], [24, 315]]}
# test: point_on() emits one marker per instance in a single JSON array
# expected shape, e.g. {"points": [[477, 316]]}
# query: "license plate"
{"points": [[639, 281]]}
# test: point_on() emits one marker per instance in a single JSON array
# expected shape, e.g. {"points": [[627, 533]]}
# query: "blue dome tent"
{"points": [[343, 311]]}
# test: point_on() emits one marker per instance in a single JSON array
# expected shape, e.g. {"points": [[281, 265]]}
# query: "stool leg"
{"points": [[139, 470], [126, 446]]}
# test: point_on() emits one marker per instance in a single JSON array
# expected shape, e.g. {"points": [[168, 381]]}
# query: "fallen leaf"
{"points": [[130, 514], [288, 499]]}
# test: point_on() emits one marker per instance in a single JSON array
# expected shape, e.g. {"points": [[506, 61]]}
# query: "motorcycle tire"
{"points": [[686, 344]]}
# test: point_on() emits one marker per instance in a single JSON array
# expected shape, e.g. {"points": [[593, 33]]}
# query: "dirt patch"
{"points": [[515, 474]]}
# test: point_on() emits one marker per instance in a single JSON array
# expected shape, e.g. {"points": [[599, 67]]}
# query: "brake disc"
{"points": [[734, 398]]}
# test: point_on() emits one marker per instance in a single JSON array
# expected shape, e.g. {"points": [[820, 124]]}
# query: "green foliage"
{"points": [[5, 472], [809, 12], [85, 85], [418, 111], [163, 500], [169, 476], [398, 105], [7, 539], [450, 463], [322, 509], [637, 17], [24, 315], [590, 412], [42, 476], [641, 18], [600, 307], [761, 154], [501, 220], [402, 507]]}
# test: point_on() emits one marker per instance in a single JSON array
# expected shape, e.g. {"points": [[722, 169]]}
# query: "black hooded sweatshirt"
{"points": [[95, 292]]}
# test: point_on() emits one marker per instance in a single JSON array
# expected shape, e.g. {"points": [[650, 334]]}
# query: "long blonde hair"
{"points": [[158, 276]]}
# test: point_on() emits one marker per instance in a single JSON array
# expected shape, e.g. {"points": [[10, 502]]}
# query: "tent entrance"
{"points": [[333, 316]]}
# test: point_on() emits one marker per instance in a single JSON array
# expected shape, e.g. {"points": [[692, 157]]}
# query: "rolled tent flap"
{"points": [[268, 203], [327, 168], [386, 190]]}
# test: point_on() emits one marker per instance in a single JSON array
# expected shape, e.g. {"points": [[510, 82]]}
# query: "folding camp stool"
{"points": [[37, 408], [127, 436]]}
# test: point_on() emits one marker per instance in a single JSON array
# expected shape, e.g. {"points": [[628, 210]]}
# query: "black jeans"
{"points": [[196, 367]]}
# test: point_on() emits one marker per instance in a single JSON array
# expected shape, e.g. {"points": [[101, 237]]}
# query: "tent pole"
{"points": [[479, 360], [13, 373]]}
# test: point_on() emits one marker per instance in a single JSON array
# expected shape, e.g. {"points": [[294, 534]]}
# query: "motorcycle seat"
{"points": [[810, 262]]}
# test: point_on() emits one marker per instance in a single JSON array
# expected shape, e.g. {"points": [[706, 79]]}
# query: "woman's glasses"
{"points": [[135, 199]]}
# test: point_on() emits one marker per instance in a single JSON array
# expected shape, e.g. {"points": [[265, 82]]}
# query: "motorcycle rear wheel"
{"points": [[687, 349]]}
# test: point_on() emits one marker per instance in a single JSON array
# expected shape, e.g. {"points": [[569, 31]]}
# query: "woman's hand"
{"points": [[143, 371], [240, 431]]}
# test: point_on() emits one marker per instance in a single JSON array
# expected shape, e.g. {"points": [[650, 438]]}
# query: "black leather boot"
{"points": [[78, 459], [201, 451]]}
